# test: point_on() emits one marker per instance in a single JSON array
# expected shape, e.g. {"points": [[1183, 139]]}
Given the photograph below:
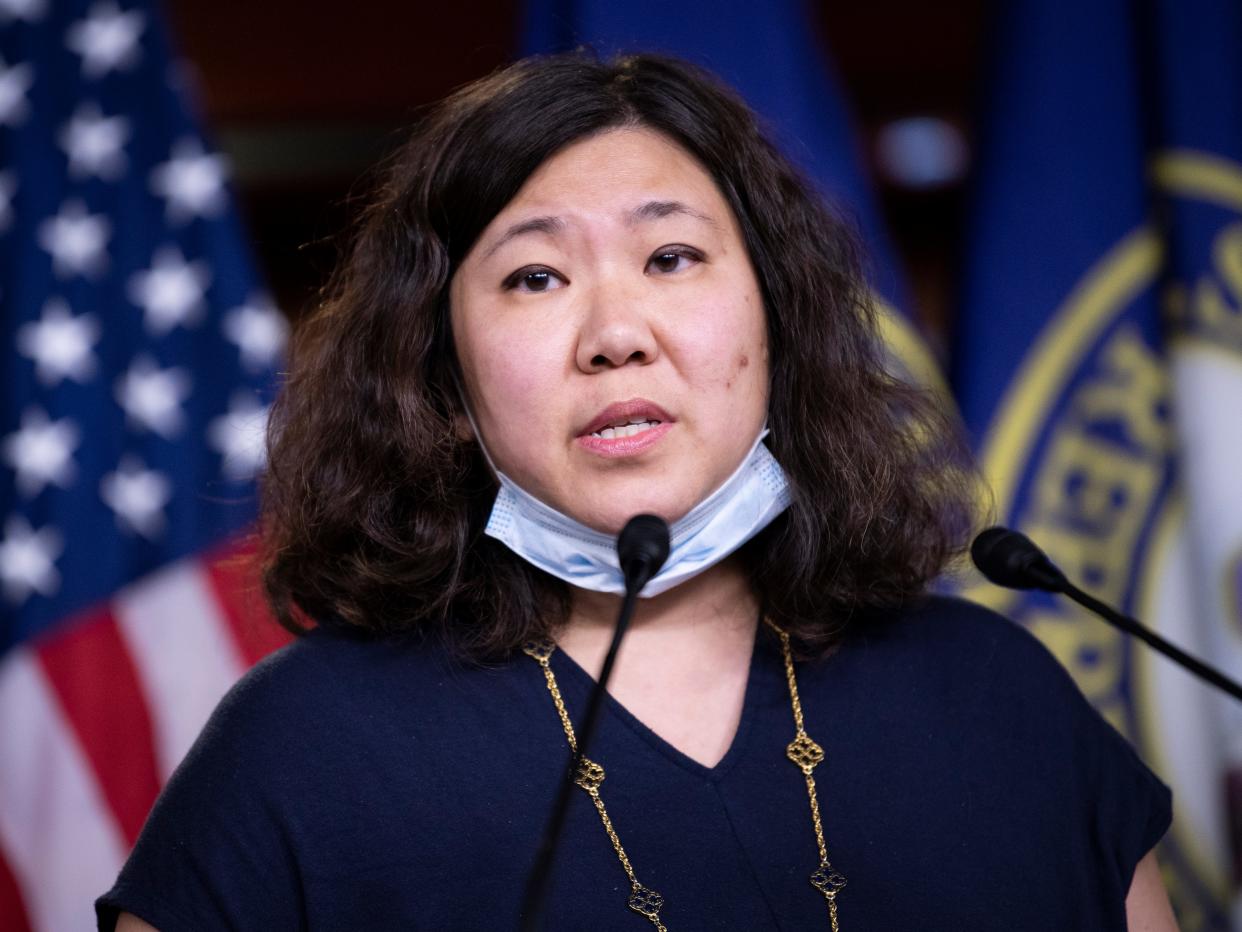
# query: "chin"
{"points": [[609, 520]]}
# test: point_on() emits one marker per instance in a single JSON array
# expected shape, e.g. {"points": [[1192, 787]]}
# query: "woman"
{"points": [[588, 290]]}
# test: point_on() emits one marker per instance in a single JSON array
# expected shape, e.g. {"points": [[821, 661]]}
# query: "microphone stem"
{"points": [[587, 728], [536, 891], [1125, 623]]}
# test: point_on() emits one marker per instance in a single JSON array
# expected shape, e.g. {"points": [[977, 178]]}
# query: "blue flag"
{"points": [[1098, 365], [771, 56]]}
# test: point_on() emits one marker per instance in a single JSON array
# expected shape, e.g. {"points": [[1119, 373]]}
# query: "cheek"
{"points": [[725, 366], [731, 345], [510, 376], [505, 376], [488, 354]]}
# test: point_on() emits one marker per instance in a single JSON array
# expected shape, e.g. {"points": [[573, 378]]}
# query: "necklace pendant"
{"points": [[540, 649], [826, 880], [588, 774], [804, 752], [646, 902]]}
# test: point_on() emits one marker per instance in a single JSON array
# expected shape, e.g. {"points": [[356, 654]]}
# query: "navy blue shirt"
{"points": [[373, 784]]}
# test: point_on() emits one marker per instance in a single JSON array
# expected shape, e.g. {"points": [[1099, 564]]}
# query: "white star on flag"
{"points": [[171, 291], [15, 81], [29, 11], [107, 39], [8, 187], [59, 343], [138, 496], [95, 143], [41, 452], [28, 560], [77, 240], [240, 437], [152, 396], [259, 330], [191, 182]]}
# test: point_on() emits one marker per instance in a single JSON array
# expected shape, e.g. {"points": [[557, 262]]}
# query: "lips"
{"points": [[621, 419]]}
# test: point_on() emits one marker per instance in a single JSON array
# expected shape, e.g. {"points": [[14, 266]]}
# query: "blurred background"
{"points": [[1050, 192]]}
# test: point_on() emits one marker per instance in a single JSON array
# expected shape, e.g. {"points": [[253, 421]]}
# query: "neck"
{"points": [[710, 615], [685, 663]]}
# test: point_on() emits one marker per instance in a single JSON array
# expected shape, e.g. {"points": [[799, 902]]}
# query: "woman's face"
{"points": [[611, 332]]}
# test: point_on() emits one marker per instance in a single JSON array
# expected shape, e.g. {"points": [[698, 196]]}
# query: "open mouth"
{"points": [[627, 428]]}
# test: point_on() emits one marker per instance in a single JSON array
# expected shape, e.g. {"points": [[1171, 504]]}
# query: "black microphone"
{"points": [[1011, 560], [642, 548]]}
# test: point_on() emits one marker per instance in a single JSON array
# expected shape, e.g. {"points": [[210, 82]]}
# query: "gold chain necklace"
{"points": [[803, 751]]}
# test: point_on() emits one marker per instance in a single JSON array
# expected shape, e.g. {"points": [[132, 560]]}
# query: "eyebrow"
{"points": [[552, 226], [549, 226], [656, 210]]}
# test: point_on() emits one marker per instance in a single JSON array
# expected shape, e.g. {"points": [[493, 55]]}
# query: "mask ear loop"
{"points": [[448, 348], [474, 426]]}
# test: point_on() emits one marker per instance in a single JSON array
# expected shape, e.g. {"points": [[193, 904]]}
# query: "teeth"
{"points": [[625, 430]]}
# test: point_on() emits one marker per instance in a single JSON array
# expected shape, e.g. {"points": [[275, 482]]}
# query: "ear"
{"points": [[462, 429]]}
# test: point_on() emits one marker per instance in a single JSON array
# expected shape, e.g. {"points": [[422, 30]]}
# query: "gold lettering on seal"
{"points": [[1211, 308], [1133, 389], [1104, 465], [1090, 501], [1093, 495]]}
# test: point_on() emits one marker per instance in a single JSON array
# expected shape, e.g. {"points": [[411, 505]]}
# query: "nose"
{"points": [[615, 331]]}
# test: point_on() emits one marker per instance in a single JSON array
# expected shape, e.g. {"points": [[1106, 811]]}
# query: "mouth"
{"points": [[626, 419], [628, 429]]}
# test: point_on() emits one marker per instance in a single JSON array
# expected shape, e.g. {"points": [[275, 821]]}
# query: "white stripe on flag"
{"points": [[59, 837], [183, 651]]}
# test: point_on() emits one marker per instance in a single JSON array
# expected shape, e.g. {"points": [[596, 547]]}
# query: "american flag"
{"points": [[140, 363]]}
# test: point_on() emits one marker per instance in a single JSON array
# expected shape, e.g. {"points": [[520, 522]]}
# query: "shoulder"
{"points": [[948, 619], [972, 729], [1034, 719], [954, 668], [309, 712], [321, 650], [255, 789], [958, 668], [327, 669], [949, 637]]}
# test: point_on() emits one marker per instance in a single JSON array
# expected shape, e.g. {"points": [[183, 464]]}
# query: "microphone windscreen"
{"points": [[1010, 559], [642, 547]]}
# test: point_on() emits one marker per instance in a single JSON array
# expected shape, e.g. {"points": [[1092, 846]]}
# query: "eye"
{"points": [[533, 280], [672, 259]]}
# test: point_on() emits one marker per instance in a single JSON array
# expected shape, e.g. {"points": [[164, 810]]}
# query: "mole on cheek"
{"points": [[742, 363]]}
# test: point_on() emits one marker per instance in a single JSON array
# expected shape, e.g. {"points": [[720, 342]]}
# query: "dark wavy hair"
{"points": [[374, 506]]}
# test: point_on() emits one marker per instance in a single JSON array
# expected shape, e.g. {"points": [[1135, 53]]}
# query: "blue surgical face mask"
{"points": [[744, 505]]}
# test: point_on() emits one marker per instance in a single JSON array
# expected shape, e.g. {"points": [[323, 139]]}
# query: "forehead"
{"points": [[618, 169]]}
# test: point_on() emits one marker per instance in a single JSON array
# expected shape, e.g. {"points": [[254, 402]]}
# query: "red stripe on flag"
{"points": [[99, 691], [235, 580], [12, 909]]}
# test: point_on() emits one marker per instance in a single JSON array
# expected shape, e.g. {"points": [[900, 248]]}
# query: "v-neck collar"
{"points": [[760, 678]]}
